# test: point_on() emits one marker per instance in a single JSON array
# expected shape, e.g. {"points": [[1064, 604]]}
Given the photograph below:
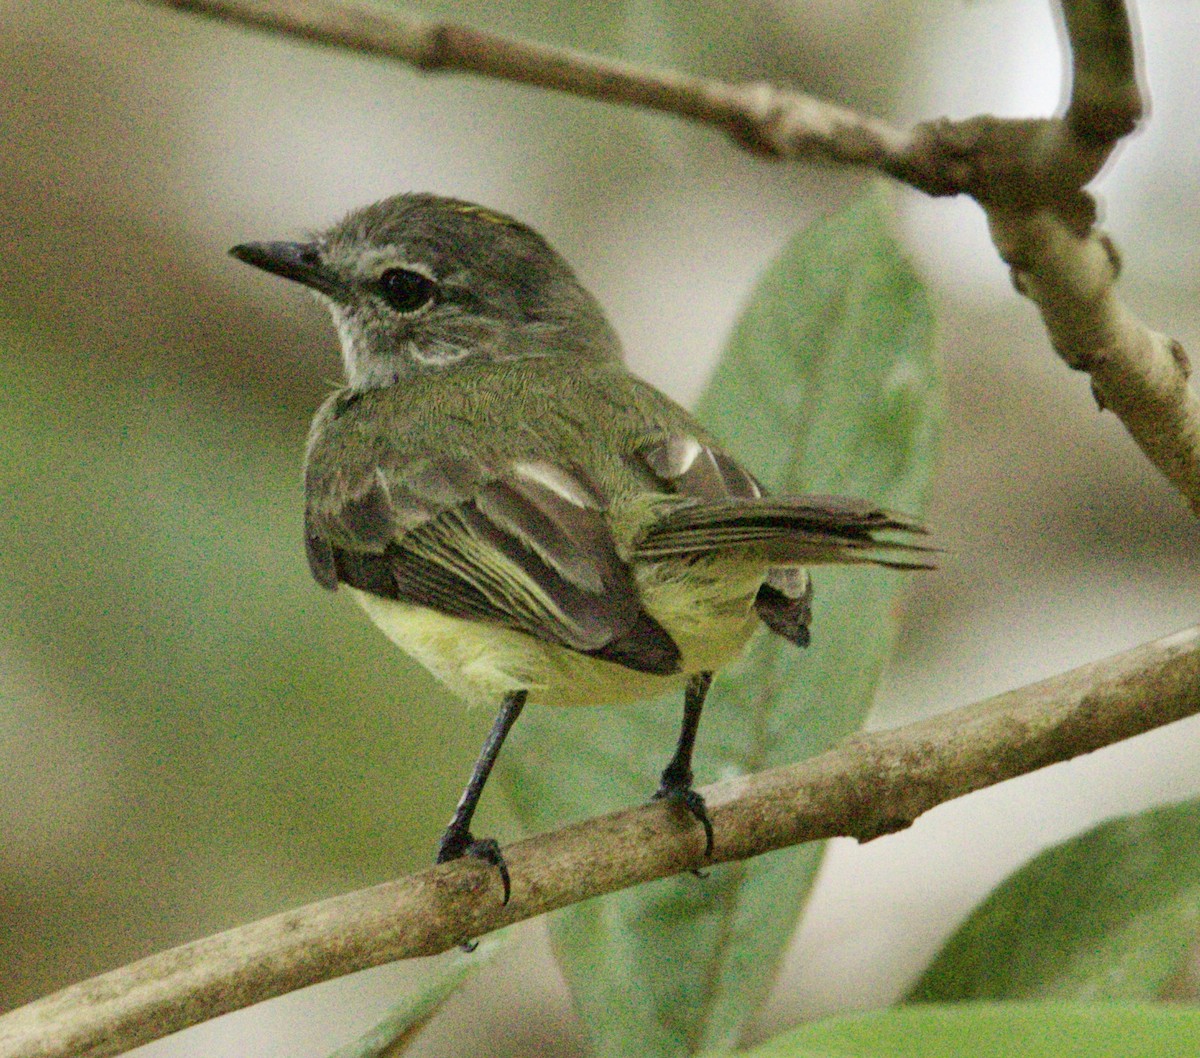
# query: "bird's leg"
{"points": [[676, 782], [457, 840]]}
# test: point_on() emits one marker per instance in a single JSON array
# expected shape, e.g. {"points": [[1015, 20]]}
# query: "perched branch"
{"points": [[1028, 174], [872, 785]]}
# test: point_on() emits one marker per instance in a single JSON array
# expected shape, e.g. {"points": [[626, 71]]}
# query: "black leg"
{"points": [[676, 782], [457, 839]]}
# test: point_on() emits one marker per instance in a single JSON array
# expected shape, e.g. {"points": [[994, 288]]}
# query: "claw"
{"points": [[693, 803], [457, 844]]}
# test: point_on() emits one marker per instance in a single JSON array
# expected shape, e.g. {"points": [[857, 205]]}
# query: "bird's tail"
{"points": [[787, 530]]}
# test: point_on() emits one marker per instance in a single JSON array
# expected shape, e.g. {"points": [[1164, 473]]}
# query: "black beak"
{"points": [[299, 261]]}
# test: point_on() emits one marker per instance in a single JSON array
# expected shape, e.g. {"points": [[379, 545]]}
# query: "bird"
{"points": [[518, 511]]}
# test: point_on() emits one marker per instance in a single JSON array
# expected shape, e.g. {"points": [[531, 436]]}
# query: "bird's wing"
{"points": [[524, 545], [688, 467]]}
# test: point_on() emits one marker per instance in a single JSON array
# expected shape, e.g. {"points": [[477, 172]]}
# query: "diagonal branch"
{"points": [[1028, 174], [871, 785], [1069, 269]]}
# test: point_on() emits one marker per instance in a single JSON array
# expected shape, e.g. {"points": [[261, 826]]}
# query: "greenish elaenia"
{"points": [[515, 509]]}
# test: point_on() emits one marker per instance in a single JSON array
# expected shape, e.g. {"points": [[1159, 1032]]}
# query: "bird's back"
{"points": [[588, 418]]}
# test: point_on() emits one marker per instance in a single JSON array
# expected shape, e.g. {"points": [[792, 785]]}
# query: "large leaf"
{"points": [[1108, 915], [997, 1030], [828, 385]]}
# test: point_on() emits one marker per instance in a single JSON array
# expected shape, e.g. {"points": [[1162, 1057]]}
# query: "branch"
{"points": [[1136, 372], [871, 785], [1028, 175], [1069, 269]]}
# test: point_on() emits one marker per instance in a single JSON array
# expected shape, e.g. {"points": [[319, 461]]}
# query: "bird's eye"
{"points": [[407, 291]]}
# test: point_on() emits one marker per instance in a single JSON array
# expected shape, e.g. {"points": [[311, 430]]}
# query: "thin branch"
{"points": [[1028, 174], [1136, 372], [872, 785], [1069, 269], [747, 112], [983, 157], [1106, 101]]}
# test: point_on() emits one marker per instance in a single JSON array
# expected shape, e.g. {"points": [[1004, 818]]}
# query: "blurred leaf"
{"points": [[861, 60], [237, 723], [1108, 915], [404, 1022], [828, 385], [997, 1030], [154, 545]]}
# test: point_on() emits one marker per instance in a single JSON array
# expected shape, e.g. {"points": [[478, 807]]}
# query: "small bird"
{"points": [[515, 509]]}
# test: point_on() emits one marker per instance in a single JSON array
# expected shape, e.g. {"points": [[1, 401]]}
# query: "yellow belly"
{"points": [[710, 617]]}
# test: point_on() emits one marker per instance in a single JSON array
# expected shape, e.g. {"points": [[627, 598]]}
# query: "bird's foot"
{"points": [[682, 794], [457, 843]]}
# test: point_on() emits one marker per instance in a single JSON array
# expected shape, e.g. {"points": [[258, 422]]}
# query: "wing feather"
{"points": [[701, 471], [526, 546]]}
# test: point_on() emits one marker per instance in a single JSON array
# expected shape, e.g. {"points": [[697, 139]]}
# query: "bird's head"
{"points": [[422, 283]]}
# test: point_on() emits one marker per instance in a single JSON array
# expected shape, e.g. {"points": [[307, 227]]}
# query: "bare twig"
{"points": [[1136, 372], [1106, 102], [1069, 269], [1028, 175], [870, 786]]}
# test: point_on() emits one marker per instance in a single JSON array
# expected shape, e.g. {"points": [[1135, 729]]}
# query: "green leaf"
{"points": [[404, 1022], [997, 1030], [1108, 915], [153, 583], [828, 385]]}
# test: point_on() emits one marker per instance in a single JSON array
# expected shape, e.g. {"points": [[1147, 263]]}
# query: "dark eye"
{"points": [[406, 290]]}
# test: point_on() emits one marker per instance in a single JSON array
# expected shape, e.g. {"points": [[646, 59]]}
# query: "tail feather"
{"points": [[802, 529]]}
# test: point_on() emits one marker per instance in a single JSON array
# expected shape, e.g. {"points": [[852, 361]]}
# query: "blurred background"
{"points": [[193, 735]]}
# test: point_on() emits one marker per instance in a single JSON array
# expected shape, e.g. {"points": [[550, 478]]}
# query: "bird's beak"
{"points": [[300, 261]]}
